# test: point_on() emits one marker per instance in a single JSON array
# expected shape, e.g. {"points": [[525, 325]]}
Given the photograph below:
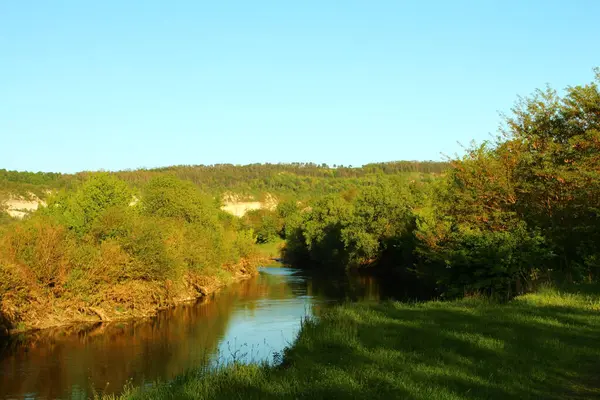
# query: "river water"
{"points": [[253, 320]]}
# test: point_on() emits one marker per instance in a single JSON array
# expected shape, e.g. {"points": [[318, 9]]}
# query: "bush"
{"points": [[42, 246], [113, 223], [265, 224], [167, 196], [153, 258], [78, 211], [243, 244], [204, 248], [496, 263]]}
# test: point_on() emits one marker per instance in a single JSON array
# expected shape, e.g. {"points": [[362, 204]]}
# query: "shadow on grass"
{"points": [[515, 351], [456, 350]]}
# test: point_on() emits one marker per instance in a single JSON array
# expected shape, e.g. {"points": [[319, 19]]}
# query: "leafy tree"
{"points": [[321, 232], [559, 171], [167, 196], [526, 205], [381, 215], [265, 224], [78, 211]]}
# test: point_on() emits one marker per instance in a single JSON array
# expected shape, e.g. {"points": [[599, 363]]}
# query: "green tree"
{"points": [[559, 172], [167, 196], [265, 224], [79, 210]]}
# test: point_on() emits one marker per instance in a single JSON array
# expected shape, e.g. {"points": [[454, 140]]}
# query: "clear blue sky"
{"points": [[124, 84]]}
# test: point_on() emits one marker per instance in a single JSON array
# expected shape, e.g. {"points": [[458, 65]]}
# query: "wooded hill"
{"points": [[299, 179]]}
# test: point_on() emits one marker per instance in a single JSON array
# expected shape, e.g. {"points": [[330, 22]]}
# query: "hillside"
{"points": [[239, 187]]}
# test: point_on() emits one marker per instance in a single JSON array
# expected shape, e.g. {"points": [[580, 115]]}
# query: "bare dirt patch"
{"points": [[235, 206], [19, 206]]}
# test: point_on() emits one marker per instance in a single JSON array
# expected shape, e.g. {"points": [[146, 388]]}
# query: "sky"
{"points": [[127, 84]]}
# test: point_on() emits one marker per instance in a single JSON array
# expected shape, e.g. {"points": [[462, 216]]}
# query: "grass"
{"points": [[544, 345], [271, 249]]}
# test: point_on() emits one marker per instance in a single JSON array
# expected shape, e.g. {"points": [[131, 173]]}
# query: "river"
{"points": [[249, 321]]}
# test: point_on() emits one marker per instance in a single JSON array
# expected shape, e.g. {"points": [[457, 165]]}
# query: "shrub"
{"points": [[147, 246], [265, 224], [43, 247], [204, 248], [167, 196], [114, 222], [78, 211]]}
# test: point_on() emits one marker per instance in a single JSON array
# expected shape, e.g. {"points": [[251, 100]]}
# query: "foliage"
{"points": [[89, 244], [38, 183], [297, 180], [508, 215], [372, 225], [43, 246], [78, 211], [167, 196], [321, 231], [533, 197], [558, 172], [265, 224], [5, 218]]}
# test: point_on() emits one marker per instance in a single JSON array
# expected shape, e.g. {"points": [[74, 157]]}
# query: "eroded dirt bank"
{"points": [[130, 300]]}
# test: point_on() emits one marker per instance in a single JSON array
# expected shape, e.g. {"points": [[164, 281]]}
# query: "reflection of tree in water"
{"points": [[356, 286], [344, 287], [51, 362]]}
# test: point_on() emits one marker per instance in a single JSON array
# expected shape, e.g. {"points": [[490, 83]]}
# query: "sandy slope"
{"points": [[233, 205], [18, 207], [240, 208]]}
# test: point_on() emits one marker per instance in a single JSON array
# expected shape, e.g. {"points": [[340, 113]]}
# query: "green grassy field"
{"points": [[544, 345]]}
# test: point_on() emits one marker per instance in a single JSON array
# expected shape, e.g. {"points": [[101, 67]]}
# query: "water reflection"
{"points": [[248, 321]]}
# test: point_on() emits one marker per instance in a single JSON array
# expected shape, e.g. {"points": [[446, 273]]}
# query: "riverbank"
{"points": [[541, 345], [130, 300], [104, 252]]}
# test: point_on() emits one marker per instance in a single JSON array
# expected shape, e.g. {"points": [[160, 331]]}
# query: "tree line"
{"points": [[293, 179]]}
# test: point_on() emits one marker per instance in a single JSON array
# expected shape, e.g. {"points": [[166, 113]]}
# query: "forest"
{"points": [[295, 179]]}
